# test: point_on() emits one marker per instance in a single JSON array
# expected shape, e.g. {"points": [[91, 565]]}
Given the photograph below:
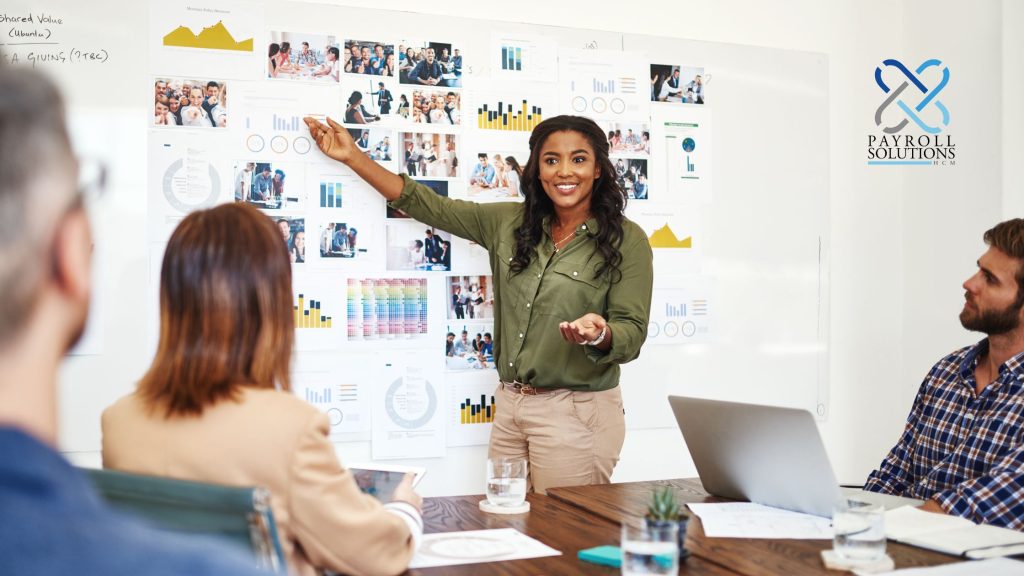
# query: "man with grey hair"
{"points": [[53, 522]]}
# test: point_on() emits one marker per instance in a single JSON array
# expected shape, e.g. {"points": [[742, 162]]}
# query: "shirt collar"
{"points": [[1015, 365], [30, 465], [591, 226]]}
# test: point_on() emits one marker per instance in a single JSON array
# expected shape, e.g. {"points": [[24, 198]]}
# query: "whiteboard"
{"points": [[762, 233]]}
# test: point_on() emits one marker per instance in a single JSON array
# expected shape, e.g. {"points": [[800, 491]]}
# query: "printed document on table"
{"points": [[990, 567], [475, 546], [746, 520]]}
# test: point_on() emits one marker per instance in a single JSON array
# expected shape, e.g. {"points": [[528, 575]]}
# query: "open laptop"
{"points": [[765, 454]]}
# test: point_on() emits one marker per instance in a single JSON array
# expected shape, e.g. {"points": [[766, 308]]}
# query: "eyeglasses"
{"points": [[92, 179]]}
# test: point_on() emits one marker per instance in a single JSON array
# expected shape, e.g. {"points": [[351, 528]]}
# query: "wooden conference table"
{"points": [[575, 518]]}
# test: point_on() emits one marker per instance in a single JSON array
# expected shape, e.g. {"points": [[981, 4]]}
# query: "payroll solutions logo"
{"points": [[910, 102]]}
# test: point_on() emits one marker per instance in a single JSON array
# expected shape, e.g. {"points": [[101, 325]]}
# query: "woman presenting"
{"points": [[572, 294]]}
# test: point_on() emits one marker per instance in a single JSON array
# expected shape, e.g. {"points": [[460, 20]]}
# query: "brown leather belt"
{"points": [[525, 389]]}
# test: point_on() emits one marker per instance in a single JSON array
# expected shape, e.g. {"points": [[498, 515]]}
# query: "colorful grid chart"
{"points": [[479, 413], [310, 317], [503, 118], [330, 194], [387, 308]]}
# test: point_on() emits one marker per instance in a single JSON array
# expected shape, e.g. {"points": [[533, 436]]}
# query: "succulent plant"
{"points": [[663, 506]]}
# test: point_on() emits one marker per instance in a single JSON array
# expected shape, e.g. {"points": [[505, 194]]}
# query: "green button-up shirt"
{"points": [[555, 287]]}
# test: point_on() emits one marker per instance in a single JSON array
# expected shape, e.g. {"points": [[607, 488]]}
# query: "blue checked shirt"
{"points": [[963, 449]]}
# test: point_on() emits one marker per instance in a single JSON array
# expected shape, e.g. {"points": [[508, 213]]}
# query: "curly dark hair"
{"points": [[607, 201]]}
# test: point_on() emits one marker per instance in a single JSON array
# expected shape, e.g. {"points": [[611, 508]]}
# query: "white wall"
{"points": [[1013, 114], [946, 211], [902, 239]]}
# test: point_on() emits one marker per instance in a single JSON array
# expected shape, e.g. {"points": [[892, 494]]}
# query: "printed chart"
{"points": [[471, 409], [338, 394], [387, 308], [681, 313], [603, 84], [315, 308], [406, 417]]}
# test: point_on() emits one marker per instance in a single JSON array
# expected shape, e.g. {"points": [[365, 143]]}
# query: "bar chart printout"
{"points": [[309, 315], [481, 412], [512, 58], [322, 396], [330, 194], [504, 117], [672, 310]]}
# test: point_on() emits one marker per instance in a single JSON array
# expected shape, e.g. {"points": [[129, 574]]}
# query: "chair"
{"points": [[239, 516]]}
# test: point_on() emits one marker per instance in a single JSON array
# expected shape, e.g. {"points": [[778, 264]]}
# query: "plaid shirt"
{"points": [[963, 449]]}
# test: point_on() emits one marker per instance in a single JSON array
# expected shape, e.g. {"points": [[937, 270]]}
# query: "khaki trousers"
{"points": [[569, 438]]}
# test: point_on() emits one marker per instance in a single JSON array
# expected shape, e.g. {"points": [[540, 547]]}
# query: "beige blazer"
{"points": [[273, 439]]}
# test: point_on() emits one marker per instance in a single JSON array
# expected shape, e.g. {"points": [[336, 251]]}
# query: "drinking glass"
{"points": [[859, 530], [650, 549], [506, 481]]}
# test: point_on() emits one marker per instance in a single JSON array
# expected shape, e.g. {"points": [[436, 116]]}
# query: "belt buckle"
{"points": [[521, 388], [527, 390]]}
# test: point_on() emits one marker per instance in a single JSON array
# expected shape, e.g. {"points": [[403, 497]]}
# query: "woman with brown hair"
{"points": [[215, 405]]}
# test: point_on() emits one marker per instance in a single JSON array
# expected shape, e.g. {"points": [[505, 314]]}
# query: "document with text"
{"points": [[746, 520]]}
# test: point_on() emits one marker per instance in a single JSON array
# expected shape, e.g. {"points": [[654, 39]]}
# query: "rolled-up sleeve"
{"points": [[996, 498], [629, 304], [470, 220]]}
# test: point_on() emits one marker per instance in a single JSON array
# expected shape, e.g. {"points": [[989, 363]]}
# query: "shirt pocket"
{"points": [[570, 290]]}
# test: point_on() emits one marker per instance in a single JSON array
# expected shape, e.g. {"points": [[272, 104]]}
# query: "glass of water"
{"points": [[506, 481], [650, 549], [859, 530]]}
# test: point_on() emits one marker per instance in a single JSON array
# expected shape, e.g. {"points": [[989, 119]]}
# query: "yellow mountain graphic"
{"points": [[215, 37], [664, 238]]}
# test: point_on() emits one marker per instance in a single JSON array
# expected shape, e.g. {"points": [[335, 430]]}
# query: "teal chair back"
{"points": [[240, 516]]}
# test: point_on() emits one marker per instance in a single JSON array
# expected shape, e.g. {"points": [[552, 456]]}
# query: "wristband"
{"points": [[599, 339]]}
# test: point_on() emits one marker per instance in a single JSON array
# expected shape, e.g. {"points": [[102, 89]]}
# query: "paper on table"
{"points": [[990, 567], [746, 520], [951, 534], [475, 546], [907, 521]]}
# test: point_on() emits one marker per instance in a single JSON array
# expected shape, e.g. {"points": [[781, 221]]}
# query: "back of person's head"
{"points": [[37, 190], [226, 318], [1008, 238]]}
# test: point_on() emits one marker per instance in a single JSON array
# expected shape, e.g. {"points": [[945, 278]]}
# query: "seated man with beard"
{"points": [[962, 449]]}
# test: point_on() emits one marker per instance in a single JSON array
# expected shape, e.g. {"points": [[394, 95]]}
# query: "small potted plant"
{"points": [[663, 509]]}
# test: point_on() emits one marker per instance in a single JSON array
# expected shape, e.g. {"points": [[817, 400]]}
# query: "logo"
{"points": [[912, 103], [928, 96]]}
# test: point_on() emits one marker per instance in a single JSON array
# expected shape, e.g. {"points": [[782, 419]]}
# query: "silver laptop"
{"points": [[765, 454]]}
